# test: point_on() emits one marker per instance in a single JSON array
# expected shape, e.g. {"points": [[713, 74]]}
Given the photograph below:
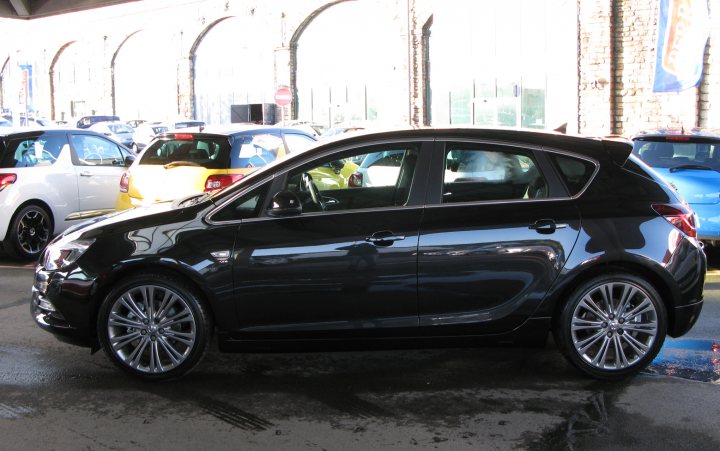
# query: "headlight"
{"points": [[63, 253]]}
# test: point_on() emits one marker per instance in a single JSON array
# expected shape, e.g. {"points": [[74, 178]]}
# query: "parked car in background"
{"points": [[690, 161], [119, 131], [135, 122], [51, 179], [584, 241], [340, 129], [87, 121], [188, 124], [179, 163], [145, 132], [4, 123]]}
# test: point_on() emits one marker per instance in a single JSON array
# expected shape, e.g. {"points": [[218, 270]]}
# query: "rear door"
{"points": [[497, 231]]}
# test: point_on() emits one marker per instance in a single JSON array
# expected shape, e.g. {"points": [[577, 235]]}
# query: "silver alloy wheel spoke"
{"points": [[614, 325], [151, 328]]}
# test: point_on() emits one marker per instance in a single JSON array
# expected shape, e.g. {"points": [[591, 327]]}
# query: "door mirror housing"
{"points": [[285, 203], [129, 160]]}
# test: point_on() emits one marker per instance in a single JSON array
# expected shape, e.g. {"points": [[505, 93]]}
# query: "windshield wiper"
{"points": [[691, 166], [173, 164]]}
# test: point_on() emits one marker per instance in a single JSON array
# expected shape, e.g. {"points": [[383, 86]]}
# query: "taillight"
{"points": [[7, 179], [355, 180], [219, 181], [124, 182], [679, 216], [183, 136]]}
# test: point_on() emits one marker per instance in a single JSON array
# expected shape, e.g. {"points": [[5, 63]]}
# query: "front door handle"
{"points": [[86, 174], [384, 238], [546, 226]]}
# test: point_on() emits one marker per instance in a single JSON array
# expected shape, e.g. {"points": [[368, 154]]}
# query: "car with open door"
{"points": [[568, 236]]}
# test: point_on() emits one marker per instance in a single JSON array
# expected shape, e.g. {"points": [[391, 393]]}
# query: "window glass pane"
{"points": [[575, 172], [244, 207], [40, 151], [296, 142], [207, 153], [362, 178], [256, 151], [486, 173], [95, 151]]}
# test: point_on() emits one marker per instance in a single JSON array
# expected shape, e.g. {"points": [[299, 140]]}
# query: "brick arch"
{"points": [[294, 45], [51, 74], [112, 68], [2, 81], [191, 59]]}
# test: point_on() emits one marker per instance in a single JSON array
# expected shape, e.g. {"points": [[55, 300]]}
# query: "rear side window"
{"points": [[255, 151], [210, 153], [42, 150], [575, 172], [477, 173]]}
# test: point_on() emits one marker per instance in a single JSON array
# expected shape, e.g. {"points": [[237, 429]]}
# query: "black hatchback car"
{"points": [[561, 234]]}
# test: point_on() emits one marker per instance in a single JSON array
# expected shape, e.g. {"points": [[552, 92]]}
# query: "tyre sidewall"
{"points": [[12, 246], [203, 323], [563, 335]]}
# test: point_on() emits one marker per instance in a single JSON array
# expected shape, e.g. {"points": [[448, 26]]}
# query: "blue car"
{"points": [[690, 162]]}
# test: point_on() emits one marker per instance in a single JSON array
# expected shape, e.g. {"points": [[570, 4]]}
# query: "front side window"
{"points": [[96, 151], [42, 150], [382, 178], [488, 173], [244, 207]]}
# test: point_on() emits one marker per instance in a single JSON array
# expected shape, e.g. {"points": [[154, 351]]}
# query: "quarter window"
{"points": [[244, 207], [486, 173], [576, 173], [38, 151]]}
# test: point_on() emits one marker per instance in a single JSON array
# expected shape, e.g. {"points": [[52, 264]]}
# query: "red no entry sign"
{"points": [[283, 96]]}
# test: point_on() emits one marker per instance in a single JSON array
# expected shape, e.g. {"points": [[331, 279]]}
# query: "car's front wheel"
{"points": [[30, 231], [612, 326], [154, 326]]}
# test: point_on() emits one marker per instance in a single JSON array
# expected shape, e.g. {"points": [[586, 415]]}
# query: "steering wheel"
{"points": [[93, 156], [307, 184]]}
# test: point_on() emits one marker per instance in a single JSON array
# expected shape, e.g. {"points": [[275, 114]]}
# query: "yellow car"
{"points": [[177, 164]]}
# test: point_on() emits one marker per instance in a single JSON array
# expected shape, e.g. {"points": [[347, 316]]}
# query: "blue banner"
{"points": [[26, 86], [683, 31]]}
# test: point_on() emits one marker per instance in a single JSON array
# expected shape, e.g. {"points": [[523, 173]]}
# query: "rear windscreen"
{"points": [[670, 154], [211, 153], [25, 152]]}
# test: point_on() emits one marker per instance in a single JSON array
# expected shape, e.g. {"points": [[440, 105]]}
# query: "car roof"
{"points": [[237, 129]]}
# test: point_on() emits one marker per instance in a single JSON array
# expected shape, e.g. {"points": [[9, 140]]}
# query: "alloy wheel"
{"points": [[614, 325], [33, 231], [152, 329]]}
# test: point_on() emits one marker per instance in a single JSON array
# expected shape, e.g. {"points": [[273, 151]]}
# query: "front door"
{"points": [[344, 267]]}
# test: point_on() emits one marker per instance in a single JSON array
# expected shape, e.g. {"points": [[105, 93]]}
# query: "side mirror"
{"points": [[337, 165], [285, 203], [129, 160]]}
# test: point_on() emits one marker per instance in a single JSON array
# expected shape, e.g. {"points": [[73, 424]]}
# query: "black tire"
{"points": [[154, 326], [29, 233], [612, 341]]}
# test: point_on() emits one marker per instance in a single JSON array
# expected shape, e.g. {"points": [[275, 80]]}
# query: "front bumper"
{"points": [[62, 305]]}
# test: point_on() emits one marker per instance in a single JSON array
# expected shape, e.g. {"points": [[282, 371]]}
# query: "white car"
{"points": [[51, 179]]}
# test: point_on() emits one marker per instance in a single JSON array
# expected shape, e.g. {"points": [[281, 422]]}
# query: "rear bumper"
{"points": [[685, 318]]}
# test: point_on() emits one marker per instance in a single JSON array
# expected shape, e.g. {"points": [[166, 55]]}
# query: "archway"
{"points": [[359, 76], [144, 78], [232, 64]]}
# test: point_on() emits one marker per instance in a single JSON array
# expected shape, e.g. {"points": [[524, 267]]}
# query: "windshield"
{"points": [[671, 154], [120, 128]]}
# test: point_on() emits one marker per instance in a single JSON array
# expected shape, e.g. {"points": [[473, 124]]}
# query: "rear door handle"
{"points": [[546, 226], [384, 238]]}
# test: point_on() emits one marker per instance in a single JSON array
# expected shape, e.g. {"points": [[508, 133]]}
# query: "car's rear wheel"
{"points": [[30, 231], [612, 326], [154, 326]]}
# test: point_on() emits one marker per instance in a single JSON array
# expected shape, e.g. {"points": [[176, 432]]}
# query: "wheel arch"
{"points": [[175, 270], [662, 286]]}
